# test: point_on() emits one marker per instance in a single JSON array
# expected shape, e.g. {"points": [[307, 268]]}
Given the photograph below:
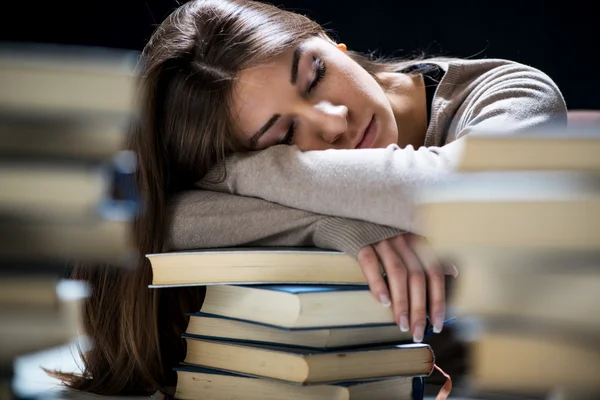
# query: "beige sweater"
{"points": [[346, 199]]}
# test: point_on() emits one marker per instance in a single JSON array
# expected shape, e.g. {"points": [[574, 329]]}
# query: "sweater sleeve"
{"points": [[204, 219], [381, 185], [374, 185]]}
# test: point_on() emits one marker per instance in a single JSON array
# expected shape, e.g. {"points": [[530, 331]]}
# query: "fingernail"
{"points": [[418, 333], [404, 325], [455, 274], [385, 300], [438, 323]]}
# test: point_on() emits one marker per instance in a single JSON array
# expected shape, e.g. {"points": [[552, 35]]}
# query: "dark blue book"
{"points": [[298, 306], [208, 383], [209, 326]]}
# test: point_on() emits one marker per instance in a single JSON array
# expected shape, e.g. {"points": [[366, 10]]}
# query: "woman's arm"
{"points": [[203, 219], [378, 185], [373, 185]]}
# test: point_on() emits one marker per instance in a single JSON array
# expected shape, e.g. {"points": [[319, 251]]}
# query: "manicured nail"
{"points": [[455, 271], [438, 323], [404, 325], [418, 333], [385, 300]]}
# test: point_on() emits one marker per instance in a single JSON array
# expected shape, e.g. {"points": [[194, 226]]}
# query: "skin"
{"points": [[327, 102]]}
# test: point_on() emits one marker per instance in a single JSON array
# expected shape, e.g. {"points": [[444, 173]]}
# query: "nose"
{"points": [[329, 121]]}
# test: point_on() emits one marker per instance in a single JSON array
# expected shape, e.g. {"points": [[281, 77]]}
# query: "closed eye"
{"points": [[320, 69], [289, 136]]}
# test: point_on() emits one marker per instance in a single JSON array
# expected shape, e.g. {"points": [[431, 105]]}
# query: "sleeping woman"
{"points": [[257, 128]]}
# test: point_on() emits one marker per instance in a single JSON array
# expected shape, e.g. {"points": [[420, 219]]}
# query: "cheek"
{"points": [[353, 80]]}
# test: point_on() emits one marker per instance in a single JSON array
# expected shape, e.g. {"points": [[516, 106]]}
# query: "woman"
{"points": [[256, 88]]}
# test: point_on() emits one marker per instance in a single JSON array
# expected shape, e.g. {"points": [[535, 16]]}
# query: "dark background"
{"points": [[558, 38]]}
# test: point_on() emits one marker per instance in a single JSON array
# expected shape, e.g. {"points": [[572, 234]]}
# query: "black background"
{"points": [[559, 38]]}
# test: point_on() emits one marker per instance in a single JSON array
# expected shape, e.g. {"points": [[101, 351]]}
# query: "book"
{"points": [[527, 363], [53, 242], [222, 328], [29, 291], [28, 330], [297, 306], [52, 189], [87, 138], [547, 149], [306, 366], [204, 383], [59, 79], [254, 265], [550, 297], [524, 211]]}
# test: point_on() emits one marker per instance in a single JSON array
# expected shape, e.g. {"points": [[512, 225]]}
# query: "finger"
{"points": [[367, 258], [450, 269], [447, 267], [436, 283], [416, 289], [396, 274]]}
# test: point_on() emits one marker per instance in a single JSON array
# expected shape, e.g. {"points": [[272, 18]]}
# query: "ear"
{"points": [[342, 47]]}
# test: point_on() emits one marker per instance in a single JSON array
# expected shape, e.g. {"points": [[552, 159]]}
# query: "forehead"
{"points": [[255, 79], [260, 88]]}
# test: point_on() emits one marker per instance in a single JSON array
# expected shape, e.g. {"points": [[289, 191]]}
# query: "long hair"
{"points": [[187, 72]]}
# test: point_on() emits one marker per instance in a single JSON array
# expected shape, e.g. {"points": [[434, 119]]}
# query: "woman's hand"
{"points": [[412, 271]]}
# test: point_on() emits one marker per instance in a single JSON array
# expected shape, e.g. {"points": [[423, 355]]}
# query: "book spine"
{"points": [[418, 388]]}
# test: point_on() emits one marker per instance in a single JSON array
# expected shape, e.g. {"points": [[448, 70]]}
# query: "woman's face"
{"points": [[315, 97]]}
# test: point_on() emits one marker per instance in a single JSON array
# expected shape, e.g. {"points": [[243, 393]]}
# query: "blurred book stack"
{"points": [[67, 188], [521, 220], [295, 323]]}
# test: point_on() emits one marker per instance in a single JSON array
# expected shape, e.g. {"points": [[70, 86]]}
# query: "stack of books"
{"points": [[68, 194], [295, 323], [521, 220]]}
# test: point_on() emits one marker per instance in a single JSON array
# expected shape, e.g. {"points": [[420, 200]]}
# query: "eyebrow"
{"points": [[295, 61], [261, 131], [293, 79]]}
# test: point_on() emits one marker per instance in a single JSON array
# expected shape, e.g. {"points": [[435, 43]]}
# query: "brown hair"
{"points": [[187, 71]]}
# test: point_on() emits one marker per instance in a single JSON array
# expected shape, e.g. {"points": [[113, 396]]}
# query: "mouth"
{"points": [[368, 135]]}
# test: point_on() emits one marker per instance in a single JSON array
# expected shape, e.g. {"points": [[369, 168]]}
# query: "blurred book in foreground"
{"points": [[26, 328], [521, 221], [547, 149], [69, 193], [65, 101]]}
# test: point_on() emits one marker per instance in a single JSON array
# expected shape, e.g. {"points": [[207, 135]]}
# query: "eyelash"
{"points": [[287, 139], [320, 69], [319, 73]]}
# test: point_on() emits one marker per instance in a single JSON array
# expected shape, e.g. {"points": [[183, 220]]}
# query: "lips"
{"points": [[368, 135]]}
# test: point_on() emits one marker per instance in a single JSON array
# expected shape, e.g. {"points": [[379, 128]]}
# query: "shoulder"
{"points": [[470, 74], [499, 91], [473, 79]]}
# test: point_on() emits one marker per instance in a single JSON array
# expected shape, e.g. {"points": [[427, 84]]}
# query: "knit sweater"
{"points": [[347, 199]]}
